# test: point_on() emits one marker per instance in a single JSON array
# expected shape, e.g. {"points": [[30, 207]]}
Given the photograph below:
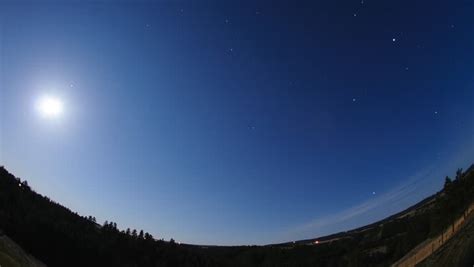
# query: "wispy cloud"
{"points": [[359, 214]]}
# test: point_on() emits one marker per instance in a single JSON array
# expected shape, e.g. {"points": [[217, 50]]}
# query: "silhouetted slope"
{"points": [[59, 237]]}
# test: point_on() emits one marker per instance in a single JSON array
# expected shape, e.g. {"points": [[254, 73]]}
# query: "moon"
{"points": [[50, 107]]}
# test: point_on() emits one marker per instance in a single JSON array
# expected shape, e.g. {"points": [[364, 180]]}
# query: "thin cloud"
{"points": [[346, 218]]}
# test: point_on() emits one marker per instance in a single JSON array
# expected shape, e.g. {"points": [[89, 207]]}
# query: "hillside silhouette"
{"points": [[58, 236]]}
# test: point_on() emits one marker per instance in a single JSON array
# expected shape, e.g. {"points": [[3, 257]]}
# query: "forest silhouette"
{"points": [[60, 237]]}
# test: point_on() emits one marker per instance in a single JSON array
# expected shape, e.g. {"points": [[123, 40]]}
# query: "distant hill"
{"points": [[59, 237]]}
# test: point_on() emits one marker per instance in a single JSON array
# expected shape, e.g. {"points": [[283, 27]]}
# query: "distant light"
{"points": [[50, 107], [316, 242], [394, 39]]}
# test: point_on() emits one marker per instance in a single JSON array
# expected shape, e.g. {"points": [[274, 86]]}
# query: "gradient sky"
{"points": [[232, 122]]}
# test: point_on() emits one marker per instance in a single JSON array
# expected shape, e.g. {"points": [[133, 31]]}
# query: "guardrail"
{"points": [[428, 247]]}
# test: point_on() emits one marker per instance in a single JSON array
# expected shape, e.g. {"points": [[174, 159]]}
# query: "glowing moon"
{"points": [[50, 107]]}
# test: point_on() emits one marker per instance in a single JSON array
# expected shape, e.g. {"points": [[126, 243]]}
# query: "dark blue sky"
{"points": [[233, 122]]}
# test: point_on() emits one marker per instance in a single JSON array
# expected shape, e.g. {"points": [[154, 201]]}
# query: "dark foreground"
{"points": [[459, 251], [59, 237]]}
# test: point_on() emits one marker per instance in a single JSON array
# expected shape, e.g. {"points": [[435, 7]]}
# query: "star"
{"points": [[394, 39], [406, 68], [231, 50], [362, 2], [355, 14], [436, 112], [227, 21], [354, 100], [373, 193]]}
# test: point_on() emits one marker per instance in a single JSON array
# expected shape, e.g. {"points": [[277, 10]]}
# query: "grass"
{"points": [[7, 261]]}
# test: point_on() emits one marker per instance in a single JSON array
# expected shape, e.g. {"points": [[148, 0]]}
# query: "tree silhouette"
{"points": [[134, 233], [447, 182], [148, 236], [459, 174]]}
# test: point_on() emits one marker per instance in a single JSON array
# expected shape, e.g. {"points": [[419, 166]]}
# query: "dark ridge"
{"points": [[58, 236]]}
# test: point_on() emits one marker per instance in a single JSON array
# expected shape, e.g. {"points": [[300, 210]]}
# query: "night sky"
{"points": [[233, 122]]}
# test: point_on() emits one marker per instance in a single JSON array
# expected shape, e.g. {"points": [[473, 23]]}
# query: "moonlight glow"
{"points": [[50, 107]]}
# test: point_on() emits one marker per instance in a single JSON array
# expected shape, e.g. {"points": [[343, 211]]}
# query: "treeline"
{"points": [[60, 237]]}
